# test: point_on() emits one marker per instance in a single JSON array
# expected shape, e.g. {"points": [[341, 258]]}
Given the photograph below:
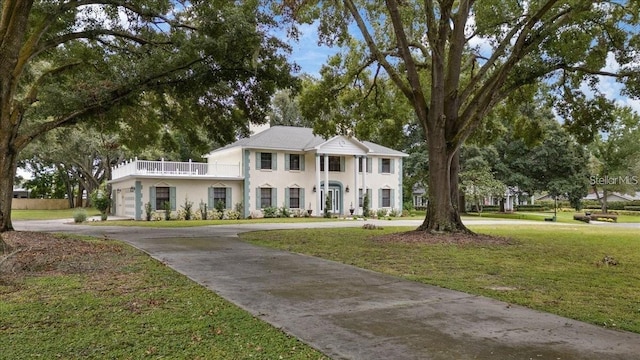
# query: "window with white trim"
{"points": [[385, 166], [219, 194], [386, 197], [265, 197], [265, 160], [294, 162], [294, 198], [162, 196], [334, 163]]}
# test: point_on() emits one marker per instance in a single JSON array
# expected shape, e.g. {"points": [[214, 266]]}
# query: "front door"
{"points": [[334, 200]]}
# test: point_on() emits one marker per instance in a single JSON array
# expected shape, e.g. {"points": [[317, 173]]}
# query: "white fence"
{"points": [[174, 168]]}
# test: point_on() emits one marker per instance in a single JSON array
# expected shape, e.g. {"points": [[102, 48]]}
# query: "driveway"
{"points": [[350, 313]]}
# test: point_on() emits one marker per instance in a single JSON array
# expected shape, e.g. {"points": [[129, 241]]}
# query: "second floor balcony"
{"points": [[163, 168]]}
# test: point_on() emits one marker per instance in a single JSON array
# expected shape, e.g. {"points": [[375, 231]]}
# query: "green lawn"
{"points": [[556, 269], [194, 223], [49, 214], [116, 302], [563, 217]]}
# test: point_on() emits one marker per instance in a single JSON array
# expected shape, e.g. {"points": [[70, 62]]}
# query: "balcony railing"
{"points": [[174, 168]]}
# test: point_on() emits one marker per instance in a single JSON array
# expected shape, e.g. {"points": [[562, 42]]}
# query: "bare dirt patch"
{"points": [[423, 237], [37, 254]]}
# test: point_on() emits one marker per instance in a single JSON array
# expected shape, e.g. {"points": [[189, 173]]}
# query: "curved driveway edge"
{"points": [[351, 313]]}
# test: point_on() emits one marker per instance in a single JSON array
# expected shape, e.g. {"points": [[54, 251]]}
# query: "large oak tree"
{"points": [[455, 61], [211, 63]]}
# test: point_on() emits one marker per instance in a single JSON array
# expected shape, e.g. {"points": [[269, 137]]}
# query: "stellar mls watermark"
{"points": [[614, 180]]}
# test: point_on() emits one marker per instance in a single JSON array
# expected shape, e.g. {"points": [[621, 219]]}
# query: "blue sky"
{"points": [[310, 57], [307, 53]]}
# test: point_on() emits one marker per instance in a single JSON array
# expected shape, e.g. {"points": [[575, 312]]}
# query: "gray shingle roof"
{"points": [[296, 139]]}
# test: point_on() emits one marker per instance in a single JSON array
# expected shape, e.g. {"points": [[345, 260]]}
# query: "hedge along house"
{"points": [[279, 166]]}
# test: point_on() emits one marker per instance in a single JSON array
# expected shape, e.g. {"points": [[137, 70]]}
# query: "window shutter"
{"points": [[302, 206], [393, 166], [301, 162], [258, 161], [392, 200], [274, 197], [369, 167], [172, 197], [379, 165], [228, 204], [380, 198], [258, 207], [152, 197], [287, 204], [287, 162], [341, 163], [210, 204], [274, 161], [370, 196]]}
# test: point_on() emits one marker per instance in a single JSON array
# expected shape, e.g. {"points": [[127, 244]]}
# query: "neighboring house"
{"points": [[512, 198], [613, 196], [279, 166], [420, 197], [20, 193]]}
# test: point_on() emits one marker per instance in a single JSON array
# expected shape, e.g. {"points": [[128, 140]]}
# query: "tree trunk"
{"points": [[8, 164], [67, 184], [604, 200], [79, 200], [442, 209]]}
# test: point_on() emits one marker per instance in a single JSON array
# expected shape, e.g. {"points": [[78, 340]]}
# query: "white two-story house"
{"points": [[279, 167]]}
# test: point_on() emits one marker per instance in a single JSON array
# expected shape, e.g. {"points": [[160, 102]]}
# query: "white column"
{"points": [[364, 179], [317, 186], [326, 180], [355, 185]]}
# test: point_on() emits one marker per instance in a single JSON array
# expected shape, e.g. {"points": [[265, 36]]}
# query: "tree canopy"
{"points": [[209, 65], [455, 61], [615, 156]]}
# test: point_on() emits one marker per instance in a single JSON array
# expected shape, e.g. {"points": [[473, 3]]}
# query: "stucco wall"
{"points": [[195, 190], [305, 179]]}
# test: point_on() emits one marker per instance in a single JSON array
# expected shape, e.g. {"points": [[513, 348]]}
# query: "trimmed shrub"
{"points": [[231, 215], [80, 216], [239, 208], [381, 213], [285, 212], [167, 210], [365, 205], [220, 206], [491, 208], [187, 209], [604, 217], [532, 208], [583, 218], [147, 211], [203, 210], [270, 212]]}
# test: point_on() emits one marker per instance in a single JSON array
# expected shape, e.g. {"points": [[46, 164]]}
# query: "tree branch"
{"points": [[375, 51], [416, 92], [116, 95]]}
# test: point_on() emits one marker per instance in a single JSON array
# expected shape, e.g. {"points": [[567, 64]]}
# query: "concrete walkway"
{"points": [[350, 313]]}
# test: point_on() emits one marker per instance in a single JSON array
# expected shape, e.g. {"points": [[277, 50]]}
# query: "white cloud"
{"points": [[307, 53], [611, 88]]}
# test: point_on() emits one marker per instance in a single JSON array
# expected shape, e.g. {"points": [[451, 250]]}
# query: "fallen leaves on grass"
{"points": [[48, 254]]}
